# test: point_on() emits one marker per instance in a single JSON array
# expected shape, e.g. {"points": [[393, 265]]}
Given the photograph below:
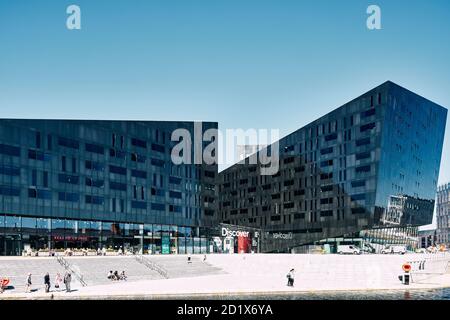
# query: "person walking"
{"points": [[58, 281], [47, 282], [290, 277], [123, 276], [67, 280], [28, 283], [110, 275], [2, 285]]}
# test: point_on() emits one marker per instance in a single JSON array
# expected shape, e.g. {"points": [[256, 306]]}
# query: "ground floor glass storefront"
{"points": [[372, 240], [21, 233]]}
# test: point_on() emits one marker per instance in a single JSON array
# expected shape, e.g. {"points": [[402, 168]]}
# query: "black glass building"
{"points": [[367, 170], [95, 184]]}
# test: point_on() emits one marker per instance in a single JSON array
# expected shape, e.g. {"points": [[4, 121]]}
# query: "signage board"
{"points": [[226, 232], [284, 236], [165, 244]]}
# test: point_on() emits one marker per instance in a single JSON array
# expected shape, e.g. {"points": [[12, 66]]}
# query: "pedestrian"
{"points": [[2, 285], [204, 257], [58, 281], [189, 259], [290, 277], [47, 282], [116, 275], [123, 276], [110, 275], [104, 251], [28, 283], [67, 279]]}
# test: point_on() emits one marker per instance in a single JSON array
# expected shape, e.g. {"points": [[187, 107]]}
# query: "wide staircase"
{"points": [[17, 269], [179, 267], [94, 270]]}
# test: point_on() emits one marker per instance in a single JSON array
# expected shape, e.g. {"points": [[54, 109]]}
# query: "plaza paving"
{"points": [[257, 274]]}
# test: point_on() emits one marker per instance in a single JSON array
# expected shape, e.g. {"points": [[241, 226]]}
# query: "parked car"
{"points": [[348, 249], [394, 249]]}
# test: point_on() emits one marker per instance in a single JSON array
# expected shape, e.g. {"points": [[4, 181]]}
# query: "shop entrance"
{"points": [[12, 245]]}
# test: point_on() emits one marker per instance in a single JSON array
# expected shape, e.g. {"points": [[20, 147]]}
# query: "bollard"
{"points": [[405, 278]]}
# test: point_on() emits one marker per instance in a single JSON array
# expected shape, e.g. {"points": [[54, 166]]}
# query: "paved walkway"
{"points": [[246, 274]]}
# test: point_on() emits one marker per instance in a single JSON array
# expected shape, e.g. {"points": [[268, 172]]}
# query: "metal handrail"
{"points": [[153, 266], [430, 265], [63, 262]]}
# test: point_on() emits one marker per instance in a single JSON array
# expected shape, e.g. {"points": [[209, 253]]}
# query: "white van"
{"points": [[394, 249], [349, 249]]}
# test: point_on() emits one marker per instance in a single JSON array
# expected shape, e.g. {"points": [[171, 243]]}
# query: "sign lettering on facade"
{"points": [[234, 233]]}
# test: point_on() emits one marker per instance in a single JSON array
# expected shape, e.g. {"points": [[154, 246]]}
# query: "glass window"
{"points": [[12, 223], [49, 142], [189, 246], [158, 206], [197, 245], [58, 225], [84, 226], [9, 150], [93, 165], [181, 245], [157, 238], [67, 196], [63, 163], [117, 186], [10, 191], [138, 143], [117, 170], [66, 178], [94, 200], [157, 162], [158, 148], [175, 194], [34, 177], [96, 225], [43, 225], [94, 148], [69, 143], [366, 127], [9, 170], [139, 174], [139, 204], [45, 179], [28, 224]]}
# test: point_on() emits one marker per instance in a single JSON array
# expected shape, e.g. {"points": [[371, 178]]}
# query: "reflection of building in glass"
{"points": [[443, 214], [403, 210], [94, 184], [427, 238], [371, 164]]}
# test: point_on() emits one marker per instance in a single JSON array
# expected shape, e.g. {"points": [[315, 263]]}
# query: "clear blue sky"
{"points": [[243, 63]]}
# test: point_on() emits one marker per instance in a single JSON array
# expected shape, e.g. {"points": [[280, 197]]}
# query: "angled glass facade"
{"points": [[371, 164], [91, 184]]}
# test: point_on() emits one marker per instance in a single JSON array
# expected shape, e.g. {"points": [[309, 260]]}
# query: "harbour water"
{"points": [[431, 294]]}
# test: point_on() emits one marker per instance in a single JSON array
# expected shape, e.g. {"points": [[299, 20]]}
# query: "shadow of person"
{"points": [[72, 290]]}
